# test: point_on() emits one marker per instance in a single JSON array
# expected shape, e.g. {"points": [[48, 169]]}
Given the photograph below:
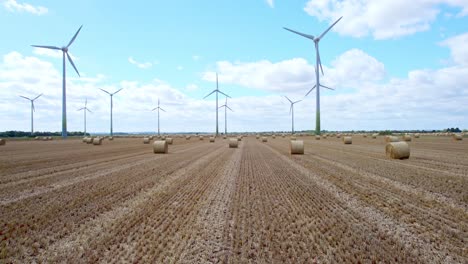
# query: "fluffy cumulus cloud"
{"points": [[458, 48], [270, 3], [141, 65], [14, 6], [382, 19]]}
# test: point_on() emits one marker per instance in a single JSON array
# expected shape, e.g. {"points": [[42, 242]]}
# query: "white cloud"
{"points": [[52, 53], [141, 65], [270, 3], [191, 87], [14, 6], [382, 19], [179, 68], [458, 48], [196, 57]]}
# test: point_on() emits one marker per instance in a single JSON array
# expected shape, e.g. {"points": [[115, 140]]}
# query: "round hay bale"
{"points": [[296, 147], [293, 138], [224, 137], [97, 141], [264, 139], [407, 138], [37, 138], [397, 150], [201, 137], [324, 137], [233, 143], [45, 138], [111, 138], [188, 137], [212, 139], [257, 136], [2, 142], [374, 136], [85, 139], [417, 135], [151, 137], [163, 138], [239, 138], [348, 140], [338, 136], [160, 147], [283, 135], [273, 137], [169, 141], [146, 140], [364, 136], [317, 137], [391, 139], [457, 137], [49, 138], [89, 140]]}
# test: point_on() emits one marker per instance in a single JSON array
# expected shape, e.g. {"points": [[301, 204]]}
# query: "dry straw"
{"points": [[97, 141], [233, 142], [374, 136], [160, 146], [257, 136], [239, 138], [317, 137], [146, 140], [457, 137], [348, 140], [111, 138], [416, 135], [407, 138], [89, 140], [264, 139], [201, 137], [212, 139], [2, 142], [85, 139], [338, 136], [293, 138], [187, 138], [273, 137], [397, 150], [391, 139], [169, 141], [224, 137], [296, 147]]}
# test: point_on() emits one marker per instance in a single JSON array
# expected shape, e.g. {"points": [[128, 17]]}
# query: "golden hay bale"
{"points": [[188, 137], [296, 147], [283, 135], [111, 138], [324, 137], [397, 150], [348, 140], [169, 141], [239, 138], [2, 142], [97, 141], [49, 138], [264, 139], [233, 142], [364, 136], [257, 136], [338, 136], [85, 139], [273, 137], [416, 135], [317, 137], [146, 140], [374, 136], [160, 146], [224, 137], [201, 138], [151, 137], [163, 138], [293, 138], [407, 138], [45, 138], [457, 137], [37, 138], [89, 140], [391, 139], [212, 139]]}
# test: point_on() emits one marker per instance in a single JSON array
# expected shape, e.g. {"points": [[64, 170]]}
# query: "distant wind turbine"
{"points": [[225, 115], [111, 109], [85, 108], [32, 110], [158, 108], [291, 111], [317, 75], [216, 91], [64, 93]]}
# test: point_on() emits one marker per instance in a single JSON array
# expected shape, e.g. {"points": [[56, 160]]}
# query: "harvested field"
{"points": [[65, 201]]}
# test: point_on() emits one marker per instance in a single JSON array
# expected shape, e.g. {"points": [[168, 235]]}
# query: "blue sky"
{"points": [[392, 69]]}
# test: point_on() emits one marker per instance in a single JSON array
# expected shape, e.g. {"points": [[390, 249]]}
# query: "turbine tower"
{"points": [[317, 76], [85, 108], [112, 107], [64, 93], [291, 111], [226, 107], [32, 111], [158, 108], [216, 91]]}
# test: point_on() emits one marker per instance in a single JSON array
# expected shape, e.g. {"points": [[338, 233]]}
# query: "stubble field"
{"points": [[66, 201]]}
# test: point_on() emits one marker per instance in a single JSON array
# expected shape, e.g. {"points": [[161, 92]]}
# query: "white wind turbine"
{"points": [[85, 108], [158, 108], [111, 108], [64, 92], [216, 91], [317, 76], [225, 115], [32, 110], [291, 111]]}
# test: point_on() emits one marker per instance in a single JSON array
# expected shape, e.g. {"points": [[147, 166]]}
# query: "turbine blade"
{"points": [[46, 47], [326, 87], [80, 109], [209, 94], [117, 91], [229, 108], [73, 64], [310, 90], [288, 99], [154, 109], [299, 33], [224, 94], [328, 29], [105, 91], [162, 109], [297, 102], [88, 110], [25, 97], [37, 97], [74, 37]]}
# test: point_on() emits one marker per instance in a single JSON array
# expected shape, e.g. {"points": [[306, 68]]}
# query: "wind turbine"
{"points": [[216, 91], [317, 76], [32, 110], [226, 107], [112, 107], [158, 108], [64, 93], [85, 108], [291, 111]]}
